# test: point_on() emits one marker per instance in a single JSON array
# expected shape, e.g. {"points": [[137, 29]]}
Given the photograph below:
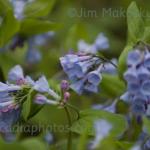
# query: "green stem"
{"points": [[70, 134], [75, 109], [107, 60]]}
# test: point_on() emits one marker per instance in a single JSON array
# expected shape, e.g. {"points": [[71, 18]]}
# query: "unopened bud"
{"points": [[65, 85], [66, 96]]}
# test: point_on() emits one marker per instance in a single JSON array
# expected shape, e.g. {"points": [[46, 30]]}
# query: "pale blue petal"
{"points": [[15, 74]]}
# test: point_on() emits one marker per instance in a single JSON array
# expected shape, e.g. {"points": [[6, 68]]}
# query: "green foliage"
{"points": [[111, 86], [135, 33], [87, 118], [29, 107], [10, 26], [39, 8], [135, 23]]}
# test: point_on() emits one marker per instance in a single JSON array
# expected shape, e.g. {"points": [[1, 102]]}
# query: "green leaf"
{"points": [[33, 144], [135, 23], [109, 143], [112, 86], [9, 27], [146, 36], [33, 26], [135, 34], [39, 8], [122, 64], [29, 107], [87, 118]]}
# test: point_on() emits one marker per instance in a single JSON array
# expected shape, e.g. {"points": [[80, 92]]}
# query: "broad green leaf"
{"points": [[88, 117], [5, 6], [135, 23], [34, 26], [122, 65], [111, 86], [9, 27], [34, 144], [39, 8], [135, 34], [146, 36], [29, 107], [112, 144]]}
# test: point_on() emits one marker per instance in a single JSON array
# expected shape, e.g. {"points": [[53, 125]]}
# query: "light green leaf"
{"points": [[135, 23], [87, 118], [111, 86], [9, 27], [39, 8], [33, 144], [29, 107], [146, 36]]}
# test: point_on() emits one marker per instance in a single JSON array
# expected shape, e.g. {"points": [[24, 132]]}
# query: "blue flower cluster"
{"points": [[83, 70], [84, 67], [138, 81], [14, 92]]}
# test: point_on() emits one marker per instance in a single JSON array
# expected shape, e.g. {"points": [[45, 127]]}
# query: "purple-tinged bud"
{"points": [[66, 96], [65, 85]]}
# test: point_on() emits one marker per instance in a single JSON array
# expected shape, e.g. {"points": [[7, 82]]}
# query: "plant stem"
{"points": [[69, 134], [107, 60]]}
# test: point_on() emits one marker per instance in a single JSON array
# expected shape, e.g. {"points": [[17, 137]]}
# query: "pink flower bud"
{"points": [[65, 85], [66, 96]]}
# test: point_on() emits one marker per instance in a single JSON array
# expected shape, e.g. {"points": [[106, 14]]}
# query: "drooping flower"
{"points": [[41, 99], [42, 86], [84, 68], [84, 71], [16, 74], [18, 6], [102, 129], [101, 43]]}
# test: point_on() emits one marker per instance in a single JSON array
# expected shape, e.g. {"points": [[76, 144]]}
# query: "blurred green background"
{"points": [[76, 22]]}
